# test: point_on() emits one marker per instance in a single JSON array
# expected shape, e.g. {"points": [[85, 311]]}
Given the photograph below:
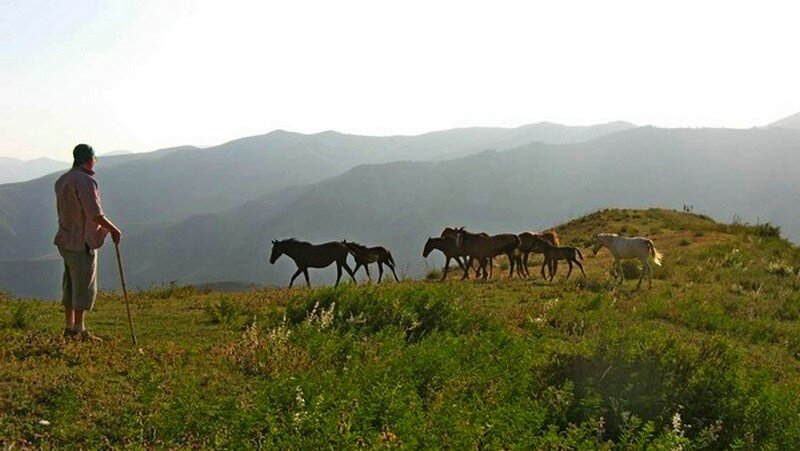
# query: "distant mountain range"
{"points": [[14, 170], [143, 190], [528, 188], [792, 122], [222, 232]]}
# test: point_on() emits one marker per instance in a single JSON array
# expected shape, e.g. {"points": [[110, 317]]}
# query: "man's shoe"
{"points": [[86, 336], [68, 333]]}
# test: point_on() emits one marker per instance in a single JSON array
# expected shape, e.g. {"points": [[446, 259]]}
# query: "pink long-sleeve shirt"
{"points": [[78, 204]]}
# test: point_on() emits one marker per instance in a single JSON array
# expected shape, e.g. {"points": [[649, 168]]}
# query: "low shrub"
{"points": [[433, 274], [418, 309], [631, 269], [223, 312], [21, 314], [780, 269]]}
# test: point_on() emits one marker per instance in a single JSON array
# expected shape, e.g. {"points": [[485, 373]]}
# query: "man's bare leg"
{"points": [[69, 318], [78, 325]]}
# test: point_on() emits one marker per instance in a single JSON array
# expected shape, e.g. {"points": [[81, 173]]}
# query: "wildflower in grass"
{"points": [[677, 424], [300, 405], [321, 318], [780, 269]]}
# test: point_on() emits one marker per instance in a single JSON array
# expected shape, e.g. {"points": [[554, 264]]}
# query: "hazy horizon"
{"points": [[64, 155], [148, 75]]}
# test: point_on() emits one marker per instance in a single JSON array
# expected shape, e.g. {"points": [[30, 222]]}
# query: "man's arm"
{"points": [[108, 225]]}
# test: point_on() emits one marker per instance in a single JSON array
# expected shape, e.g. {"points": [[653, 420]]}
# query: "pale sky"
{"points": [[143, 75]]}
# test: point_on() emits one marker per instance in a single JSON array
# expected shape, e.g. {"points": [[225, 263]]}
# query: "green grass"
{"points": [[708, 358]]}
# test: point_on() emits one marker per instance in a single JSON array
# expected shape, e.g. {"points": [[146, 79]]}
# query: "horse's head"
{"points": [[540, 243], [600, 240], [277, 251], [428, 248]]}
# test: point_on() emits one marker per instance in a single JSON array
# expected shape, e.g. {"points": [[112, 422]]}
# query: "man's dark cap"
{"points": [[81, 154]]}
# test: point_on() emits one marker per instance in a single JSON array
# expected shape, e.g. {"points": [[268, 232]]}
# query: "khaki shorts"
{"points": [[80, 279]]}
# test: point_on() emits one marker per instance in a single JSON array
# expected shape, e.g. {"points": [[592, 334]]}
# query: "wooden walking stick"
{"points": [[125, 293]]}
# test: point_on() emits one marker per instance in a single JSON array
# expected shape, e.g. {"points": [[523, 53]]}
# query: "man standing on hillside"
{"points": [[82, 228]]}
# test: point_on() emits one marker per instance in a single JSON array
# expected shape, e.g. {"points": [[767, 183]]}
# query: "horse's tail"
{"points": [[390, 258], [654, 253], [578, 251]]}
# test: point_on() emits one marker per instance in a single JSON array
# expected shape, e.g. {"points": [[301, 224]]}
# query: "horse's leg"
{"points": [[380, 271], [305, 273], [525, 270], [391, 266], [649, 272], [580, 266], [619, 275], [546, 263], [486, 273], [338, 273], [297, 273], [351, 272], [525, 256], [369, 276], [641, 275], [553, 269], [466, 268], [569, 262], [491, 266], [447, 265], [512, 260]]}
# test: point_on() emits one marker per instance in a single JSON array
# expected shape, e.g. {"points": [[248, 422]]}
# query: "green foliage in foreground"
{"points": [[406, 364], [706, 359]]}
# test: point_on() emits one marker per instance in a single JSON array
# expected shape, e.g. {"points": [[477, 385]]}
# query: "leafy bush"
{"points": [[224, 312], [654, 378], [780, 269], [433, 274], [631, 269], [417, 310]]}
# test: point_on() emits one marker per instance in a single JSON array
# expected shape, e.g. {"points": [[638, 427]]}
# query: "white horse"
{"points": [[623, 248]]}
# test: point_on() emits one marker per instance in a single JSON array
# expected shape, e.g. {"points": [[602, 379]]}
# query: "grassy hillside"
{"points": [[706, 359]]}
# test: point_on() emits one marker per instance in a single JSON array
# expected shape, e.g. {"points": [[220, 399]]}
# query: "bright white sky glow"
{"points": [[142, 75]]}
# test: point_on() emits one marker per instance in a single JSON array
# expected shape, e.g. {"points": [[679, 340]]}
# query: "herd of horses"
{"points": [[470, 251]]}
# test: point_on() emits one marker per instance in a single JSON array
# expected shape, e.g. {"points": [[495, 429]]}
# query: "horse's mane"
{"points": [[292, 241], [357, 246]]}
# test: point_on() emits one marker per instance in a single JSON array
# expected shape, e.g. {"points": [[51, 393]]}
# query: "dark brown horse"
{"points": [[452, 232], [530, 245], [365, 255], [448, 247], [307, 255], [483, 248], [552, 254]]}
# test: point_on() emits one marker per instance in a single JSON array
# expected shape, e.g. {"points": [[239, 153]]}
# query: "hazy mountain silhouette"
{"points": [[721, 172], [792, 122], [13, 170], [400, 204], [143, 189]]}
